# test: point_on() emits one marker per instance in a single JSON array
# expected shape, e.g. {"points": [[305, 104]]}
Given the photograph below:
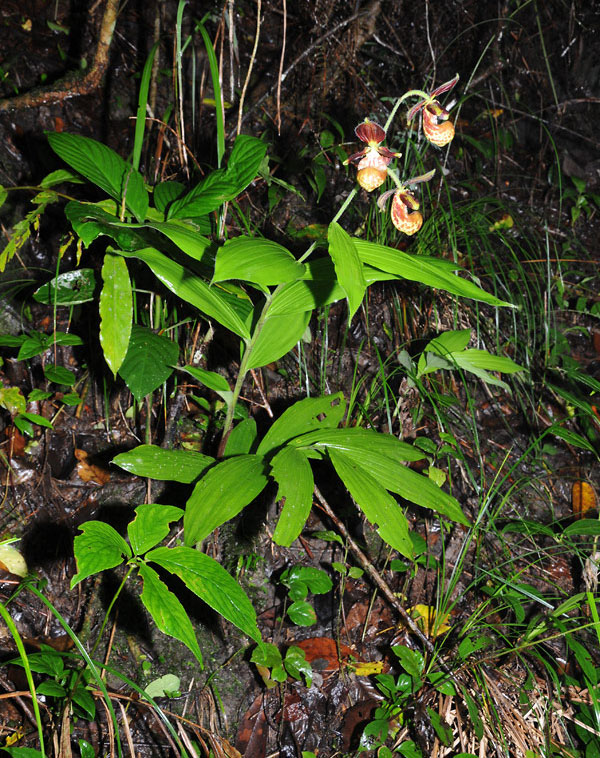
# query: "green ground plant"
{"points": [[265, 297]]}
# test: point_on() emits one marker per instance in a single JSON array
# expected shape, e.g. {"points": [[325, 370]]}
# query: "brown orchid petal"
{"points": [[371, 177], [389, 154], [436, 133], [404, 220], [415, 109], [445, 87], [370, 132], [356, 156]]}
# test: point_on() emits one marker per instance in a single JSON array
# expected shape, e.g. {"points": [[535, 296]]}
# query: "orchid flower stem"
{"points": [[343, 207], [400, 100]]}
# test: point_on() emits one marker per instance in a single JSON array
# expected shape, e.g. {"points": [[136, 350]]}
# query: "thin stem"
{"points": [[244, 366], [400, 100]]}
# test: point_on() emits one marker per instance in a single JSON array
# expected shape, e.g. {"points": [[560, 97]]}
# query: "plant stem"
{"points": [[249, 345]]}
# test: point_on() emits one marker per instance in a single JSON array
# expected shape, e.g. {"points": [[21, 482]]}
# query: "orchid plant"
{"points": [[373, 161]]}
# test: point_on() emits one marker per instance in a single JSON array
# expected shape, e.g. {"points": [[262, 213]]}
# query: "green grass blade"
{"points": [[214, 72], [140, 118], [25, 661]]}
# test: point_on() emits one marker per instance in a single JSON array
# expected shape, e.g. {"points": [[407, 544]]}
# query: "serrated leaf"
{"points": [[149, 361], [304, 416], [221, 494], [277, 337], [293, 474], [211, 301], [257, 260], [302, 613], [411, 660], [152, 461], [316, 580], [12, 399], [206, 578], [151, 524], [103, 167], [36, 419], [59, 375], [348, 266], [377, 504], [70, 288], [116, 311], [166, 610], [97, 548]]}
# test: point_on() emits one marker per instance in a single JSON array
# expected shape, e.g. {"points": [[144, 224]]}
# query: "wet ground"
{"points": [[530, 82]]}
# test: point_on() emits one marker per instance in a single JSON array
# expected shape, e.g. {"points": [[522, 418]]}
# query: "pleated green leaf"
{"points": [[166, 610], [116, 311], [221, 494], [207, 579]]}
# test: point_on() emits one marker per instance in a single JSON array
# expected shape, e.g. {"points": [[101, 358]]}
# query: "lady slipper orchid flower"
{"points": [[373, 159], [405, 206], [436, 127]]}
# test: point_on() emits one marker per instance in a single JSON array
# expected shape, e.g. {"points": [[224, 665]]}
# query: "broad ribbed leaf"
{"points": [[348, 266], [256, 260], [207, 579], [318, 287], [151, 525], [222, 185], [166, 610], [304, 416], [376, 503], [69, 288], [292, 472], [165, 193], [212, 301], [164, 465], [277, 337], [103, 167], [449, 342], [116, 311], [205, 197], [221, 494], [149, 361], [245, 159], [361, 442], [241, 438], [97, 548], [185, 237], [403, 481], [90, 221], [422, 269]]}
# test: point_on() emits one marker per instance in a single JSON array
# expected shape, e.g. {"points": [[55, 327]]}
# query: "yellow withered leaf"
{"points": [[428, 620], [583, 498], [362, 668]]}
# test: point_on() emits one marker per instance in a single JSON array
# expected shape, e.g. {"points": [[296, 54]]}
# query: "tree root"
{"points": [[74, 83]]}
